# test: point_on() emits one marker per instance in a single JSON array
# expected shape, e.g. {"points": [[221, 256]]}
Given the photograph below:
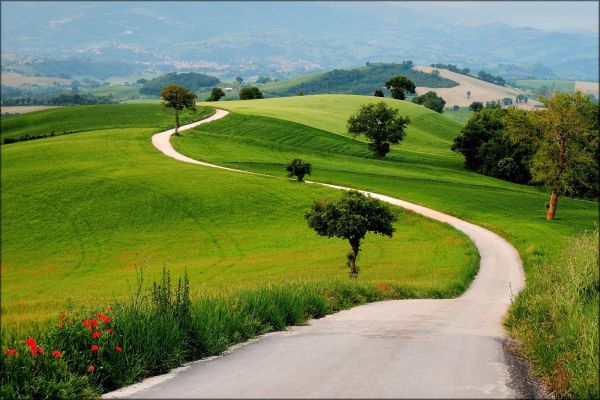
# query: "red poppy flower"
{"points": [[40, 350], [108, 309], [118, 348], [10, 352], [32, 345], [60, 324], [94, 323], [57, 354], [104, 318], [62, 316], [109, 331], [91, 368], [95, 347], [96, 334]]}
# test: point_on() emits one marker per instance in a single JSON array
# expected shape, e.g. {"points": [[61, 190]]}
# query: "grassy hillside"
{"points": [[363, 80], [86, 118], [421, 169], [81, 211], [118, 92], [560, 85]]}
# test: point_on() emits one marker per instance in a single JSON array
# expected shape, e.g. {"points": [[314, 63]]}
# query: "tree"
{"points": [[298, 168], [216, 94], [380, 124], [468, 94], [476, 106], [564, 138], [488, 149], [250, 92], [432, 101], [378, 93], [239, 80], [351, 217], [178, 98], [399, 86]]}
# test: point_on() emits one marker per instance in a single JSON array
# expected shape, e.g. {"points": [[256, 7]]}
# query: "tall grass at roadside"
{"points": [[556, 319], [86, 352]]}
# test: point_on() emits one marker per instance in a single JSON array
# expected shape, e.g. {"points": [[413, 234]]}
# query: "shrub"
{"points": [[250, 93]]}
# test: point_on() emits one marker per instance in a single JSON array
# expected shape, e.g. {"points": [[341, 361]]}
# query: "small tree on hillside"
{"points": [[250, 93], [476, 106], [239, 80], [178, 98], [432, 101], [564, 137], [380, 124], [378, 93], [215, 94], [399, 86], [350, 217], [298, 168], [468, 94]]}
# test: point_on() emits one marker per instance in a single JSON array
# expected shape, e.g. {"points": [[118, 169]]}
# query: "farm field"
{"points": [[16, 80], [23, 109], [480, 90], [81, 211]]}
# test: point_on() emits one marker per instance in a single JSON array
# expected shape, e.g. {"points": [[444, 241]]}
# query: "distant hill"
{"points": [[190, 80], [362, 80]]}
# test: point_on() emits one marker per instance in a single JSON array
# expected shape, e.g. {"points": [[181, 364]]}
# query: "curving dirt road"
{"points": [[451, 348]]}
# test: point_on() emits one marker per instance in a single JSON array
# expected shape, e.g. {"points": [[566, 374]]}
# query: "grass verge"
{"points": [[556, 319]]}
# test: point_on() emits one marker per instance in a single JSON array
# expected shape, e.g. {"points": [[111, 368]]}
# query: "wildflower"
{"points": [[40, 350], [62, 316], [234, 307], [10, 352], [118, 348], [60, 324], [94, 323], [109, 331], [91, 368], [32, 345], [104, 318], [95, 347], [57, 354], [96, 334], [108, 309]]}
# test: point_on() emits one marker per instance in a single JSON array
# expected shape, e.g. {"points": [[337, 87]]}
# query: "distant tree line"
{"points": [[63, 99], [484, 76], [453, 68], [192, 81]]}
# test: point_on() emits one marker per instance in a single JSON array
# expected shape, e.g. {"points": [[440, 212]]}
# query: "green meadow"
{"points": [[81, 212]]}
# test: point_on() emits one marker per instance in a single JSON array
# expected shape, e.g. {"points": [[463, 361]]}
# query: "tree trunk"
{"points": [[352, 256], [176, 122], [552, 205]]}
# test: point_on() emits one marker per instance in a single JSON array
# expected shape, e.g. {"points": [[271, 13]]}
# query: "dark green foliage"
{"points": [[400, 86], [63, 99], [431, 100], [488, 149], [378, 93], [178, 98], [216, 94], [351, 217], [192, 81], [484, 76], [455, 108], [476, 106], [380, 124], [363, 80], [239, 80], [263, 79], [298, 168], [250, 93], [453, 68]]}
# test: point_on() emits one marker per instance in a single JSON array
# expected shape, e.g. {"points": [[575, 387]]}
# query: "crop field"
{"points": [[81, 212], [16, 80]]}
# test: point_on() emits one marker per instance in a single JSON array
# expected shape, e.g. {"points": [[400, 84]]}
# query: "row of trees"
{"points": [[556, 146], [63, 99]]}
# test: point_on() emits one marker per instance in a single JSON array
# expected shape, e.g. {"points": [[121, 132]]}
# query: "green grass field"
{"points": [[560, 85], [81, 211], [119, 92], [461, 116], [87, 118]]}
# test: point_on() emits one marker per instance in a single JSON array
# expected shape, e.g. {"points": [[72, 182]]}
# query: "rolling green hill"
{"points": [[363, 80], [81, 212]]}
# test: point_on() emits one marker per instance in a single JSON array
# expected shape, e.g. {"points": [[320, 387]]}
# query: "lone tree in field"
{"points": [[378, 93], [399, 86], [239, 80], [476, 106], [178, 98], [216, 94], [468, 94], [564, 137], [298, 168], [380, 124], [250, 92], [351, 217]]}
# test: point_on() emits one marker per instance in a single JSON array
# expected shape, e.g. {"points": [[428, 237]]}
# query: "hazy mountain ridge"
{"points": [[284, 39]]}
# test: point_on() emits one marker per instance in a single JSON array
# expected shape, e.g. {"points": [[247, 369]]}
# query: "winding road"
{"points": [[421, 348]]}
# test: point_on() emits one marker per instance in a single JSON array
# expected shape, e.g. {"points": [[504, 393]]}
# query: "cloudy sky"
{"points": [[537, 14]]}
